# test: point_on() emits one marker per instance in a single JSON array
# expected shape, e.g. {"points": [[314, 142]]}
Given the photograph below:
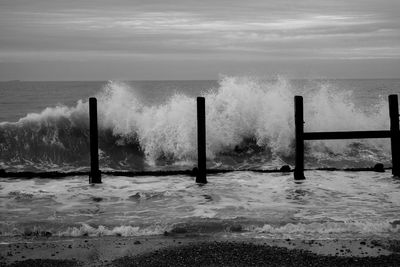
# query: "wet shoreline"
{"points": [[198, 250]]}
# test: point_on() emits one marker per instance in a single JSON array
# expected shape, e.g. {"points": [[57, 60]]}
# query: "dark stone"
{"points": [[179, 230], [28, 232], [195, 171], [376, 243], [97, 199], [379, 167], [46, 233], [285, 168], [236, 228]]}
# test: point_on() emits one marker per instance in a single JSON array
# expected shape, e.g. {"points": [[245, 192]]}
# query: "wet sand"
{"points": [[187, 250]]}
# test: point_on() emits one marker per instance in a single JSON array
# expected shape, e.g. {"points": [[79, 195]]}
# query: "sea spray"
{"points": [[248, 109], [249, 125], [329, 109]]}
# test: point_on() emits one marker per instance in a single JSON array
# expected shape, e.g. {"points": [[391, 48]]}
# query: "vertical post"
{"points": [[299, 135], [95, 174], [394, 134], [201, 141]]}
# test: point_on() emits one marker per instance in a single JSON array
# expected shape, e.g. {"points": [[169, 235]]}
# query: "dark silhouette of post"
{"points": [[201, 141], [394, 134], [95, 174], [299, 135]]}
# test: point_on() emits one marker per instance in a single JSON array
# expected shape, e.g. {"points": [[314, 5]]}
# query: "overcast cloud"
{"points": [[125, 39]]}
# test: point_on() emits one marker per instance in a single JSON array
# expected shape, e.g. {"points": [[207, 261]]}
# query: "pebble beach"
{"points": [[189, 250]]}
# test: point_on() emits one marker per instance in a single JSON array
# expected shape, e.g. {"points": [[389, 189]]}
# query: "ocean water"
{"points": [[151, 125]]}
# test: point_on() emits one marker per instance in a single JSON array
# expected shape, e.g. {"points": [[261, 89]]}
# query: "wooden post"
{"points": [[95, 174], [299, 135], [394, 134], [201, 141]]}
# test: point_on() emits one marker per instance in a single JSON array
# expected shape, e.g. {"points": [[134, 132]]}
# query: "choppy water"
{"points": [[152, 125], [326, 205]]}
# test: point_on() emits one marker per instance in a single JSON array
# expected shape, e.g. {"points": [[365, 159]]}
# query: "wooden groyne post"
{"points": [[394, 134], [300, 135], [95, 174], [201, 176]]}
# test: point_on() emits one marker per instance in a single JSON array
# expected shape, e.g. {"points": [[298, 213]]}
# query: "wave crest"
{"points": [[249, 124]]}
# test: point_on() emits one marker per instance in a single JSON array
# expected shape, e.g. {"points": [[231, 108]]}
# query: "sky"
{"points": [[183, 40]]}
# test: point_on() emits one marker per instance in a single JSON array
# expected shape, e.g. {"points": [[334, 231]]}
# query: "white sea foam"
{"points": [[326, 204], [123, 230], [240, 110], [361, 227], [289, 230]]}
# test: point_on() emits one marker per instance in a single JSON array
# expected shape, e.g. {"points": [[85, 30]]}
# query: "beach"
{"points": [[199, 133], [201, 250], [237, 219], [252, 215]]}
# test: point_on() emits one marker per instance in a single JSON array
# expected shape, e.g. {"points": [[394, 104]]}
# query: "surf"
{"points": [[249, 125]]}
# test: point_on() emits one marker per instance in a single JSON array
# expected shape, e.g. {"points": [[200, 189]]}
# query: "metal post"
{"points": [[95, 174], [299, 135], [201, 141], [394, 134]]}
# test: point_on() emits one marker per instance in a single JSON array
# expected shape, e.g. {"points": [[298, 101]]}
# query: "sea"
{"points": [[151, 126]]}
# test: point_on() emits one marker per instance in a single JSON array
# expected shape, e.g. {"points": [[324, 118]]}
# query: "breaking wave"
{"points": [[249, 125], [314, 230]]}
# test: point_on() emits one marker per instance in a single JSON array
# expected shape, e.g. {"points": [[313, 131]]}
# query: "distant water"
{"points": [[151, 125]]}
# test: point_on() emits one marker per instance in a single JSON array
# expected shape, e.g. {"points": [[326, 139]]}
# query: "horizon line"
{"points": [[183, 80]]}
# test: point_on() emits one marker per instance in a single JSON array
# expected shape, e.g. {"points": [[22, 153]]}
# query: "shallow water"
{"points": [[151, 126], [325, 205]]}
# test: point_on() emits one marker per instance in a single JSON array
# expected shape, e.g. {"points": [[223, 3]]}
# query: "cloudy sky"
{"points": [[164, 39]]}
